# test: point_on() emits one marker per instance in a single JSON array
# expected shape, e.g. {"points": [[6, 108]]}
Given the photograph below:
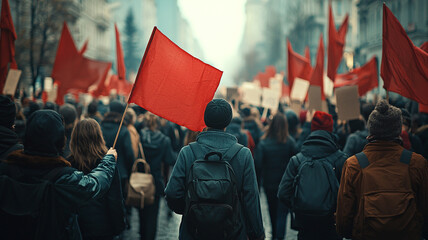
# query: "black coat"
{"points": [[125, 153], [355, 142], [9, 142], [254, 129], [235, 130]]}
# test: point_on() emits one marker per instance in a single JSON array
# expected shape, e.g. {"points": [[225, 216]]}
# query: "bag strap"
{"points": [[406, 156], [231, 152], [140, 149], [146, 165], [362, 159], [197, 150]]}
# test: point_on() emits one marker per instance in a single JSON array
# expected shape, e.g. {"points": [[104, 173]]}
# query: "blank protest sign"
{"points": [[270, 99], [251, 93], [314, 97], [348, 104], [300, 89], [12, 80]]}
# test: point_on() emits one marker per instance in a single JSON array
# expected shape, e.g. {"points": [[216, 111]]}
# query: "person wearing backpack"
{"points": [[213, 184], [40, 192], [311, 181], [384, 189]]}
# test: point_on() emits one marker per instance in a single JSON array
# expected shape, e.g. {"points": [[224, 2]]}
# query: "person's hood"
{"points": [[216, 140], [319, 144], [8, 138], [362, 134], [152, 139], [44, 134], [233, 128]]}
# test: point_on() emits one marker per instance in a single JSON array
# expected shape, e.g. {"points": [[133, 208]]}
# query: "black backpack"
{"points": [[315, 187], [212, 198]]}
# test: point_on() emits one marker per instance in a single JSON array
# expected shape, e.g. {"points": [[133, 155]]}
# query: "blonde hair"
{"points": [[87, 144]]}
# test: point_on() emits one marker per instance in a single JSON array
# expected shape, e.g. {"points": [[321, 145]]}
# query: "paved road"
{"points": [[168, 225]]}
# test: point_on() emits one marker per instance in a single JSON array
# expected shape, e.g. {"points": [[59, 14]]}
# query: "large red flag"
{"points": [[336, 42], [364, 77], [7, 43], [307, 53], [317, 78], [121, 71], [297, 66], [404, 67], [173, 84], [424, 46], [84, 47], [72, 71]]}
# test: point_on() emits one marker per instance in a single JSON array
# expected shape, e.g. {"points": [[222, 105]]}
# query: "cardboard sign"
{"points": [[275, 85], [48, 84], [328, 86], [348, 104], [251, 93], [12, 80], [52, 94], [314, 96], [270, 99], [231, 93], [300, 89]]}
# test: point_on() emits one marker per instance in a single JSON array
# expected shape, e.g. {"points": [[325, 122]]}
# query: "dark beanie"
{"points": [[7, 112], [69, 113], [44, 134], [218, 114], [322, 121], [385, 121], [117, 107]]}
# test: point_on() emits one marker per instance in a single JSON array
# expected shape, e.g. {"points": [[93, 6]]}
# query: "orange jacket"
{"points": [[386, 154]]}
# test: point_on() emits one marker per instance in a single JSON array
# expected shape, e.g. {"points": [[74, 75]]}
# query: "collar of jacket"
{"points": [[382, 145], [32, 161], [216, 139], [319, 144]]}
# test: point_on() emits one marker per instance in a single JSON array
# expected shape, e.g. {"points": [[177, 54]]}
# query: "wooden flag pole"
{"points": [[120, 125], [387, 96]]}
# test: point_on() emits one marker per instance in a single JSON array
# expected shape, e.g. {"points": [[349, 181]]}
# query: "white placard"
{"points": [[348, 104], [52, 94], [48, 84], [328, 86], [300, 89], [270, 99], [12, 80], [275, 84], [251, 93]]}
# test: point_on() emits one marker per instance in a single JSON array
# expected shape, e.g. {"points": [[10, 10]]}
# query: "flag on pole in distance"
{"points": [[336, 42], [121, 71], [317, 78], [297, 66], [7, 43], [364, 77], [173, 84], [84, 47], [404, 67]]}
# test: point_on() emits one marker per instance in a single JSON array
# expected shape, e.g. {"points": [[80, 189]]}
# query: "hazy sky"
{"points": [[218, 26]]}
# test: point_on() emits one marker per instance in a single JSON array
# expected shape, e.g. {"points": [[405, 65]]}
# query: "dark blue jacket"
{"points": [[243, 166], [355, 142]]}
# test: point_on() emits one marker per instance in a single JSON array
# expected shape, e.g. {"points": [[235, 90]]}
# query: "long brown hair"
{"points": [[278, 128], [87, 144]]}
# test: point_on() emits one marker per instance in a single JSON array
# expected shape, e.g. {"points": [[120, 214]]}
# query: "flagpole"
{"points": [[387, 96], [120, 125]]}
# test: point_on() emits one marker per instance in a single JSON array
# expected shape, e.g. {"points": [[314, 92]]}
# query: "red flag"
{"points": [[336, 42], [72, 71], [173, 84], [121, 71], [404, 67], [317, 77], [307, 53], [365, 77], [84, 47], [7, 43], [298, 66], [424, 46]]}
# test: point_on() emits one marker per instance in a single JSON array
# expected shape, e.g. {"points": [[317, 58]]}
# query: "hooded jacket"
{"points": [[9, 142], [386, 154], [320, 144], [243, 166], [355, 142], [235, 130]]}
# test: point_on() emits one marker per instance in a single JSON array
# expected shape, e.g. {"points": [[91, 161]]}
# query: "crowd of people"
{"points": [[60, 178]]}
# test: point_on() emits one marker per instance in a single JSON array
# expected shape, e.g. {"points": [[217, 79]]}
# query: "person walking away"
{"points": [[219, 149], [157, 150], [310, 182], [236, 129], [39, 191], [102, 218], [273, 154], [384, 190], [9, 141]]}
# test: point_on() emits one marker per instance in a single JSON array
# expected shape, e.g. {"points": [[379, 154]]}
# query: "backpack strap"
{"points": [[362, 159], [406, 155], [197, 150], [231, 152]]}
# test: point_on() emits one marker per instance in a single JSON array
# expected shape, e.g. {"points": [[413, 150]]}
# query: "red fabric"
{"points": [[84, 47], [404, 67], [365, 77], [423, 108], [317, 78], [336, 42], [121, 71], [322, 121], [264, 79], [7, 43], [173, 84], [406, 140], [307, 53], [72, 71], [102, 89], [297, 66], [424, 46], [123, 87]]}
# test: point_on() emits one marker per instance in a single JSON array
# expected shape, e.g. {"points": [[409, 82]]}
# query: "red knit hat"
{"points": [[322, 121]]}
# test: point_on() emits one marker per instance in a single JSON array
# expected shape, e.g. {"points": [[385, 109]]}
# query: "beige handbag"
{"points": [[141, 187]]}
